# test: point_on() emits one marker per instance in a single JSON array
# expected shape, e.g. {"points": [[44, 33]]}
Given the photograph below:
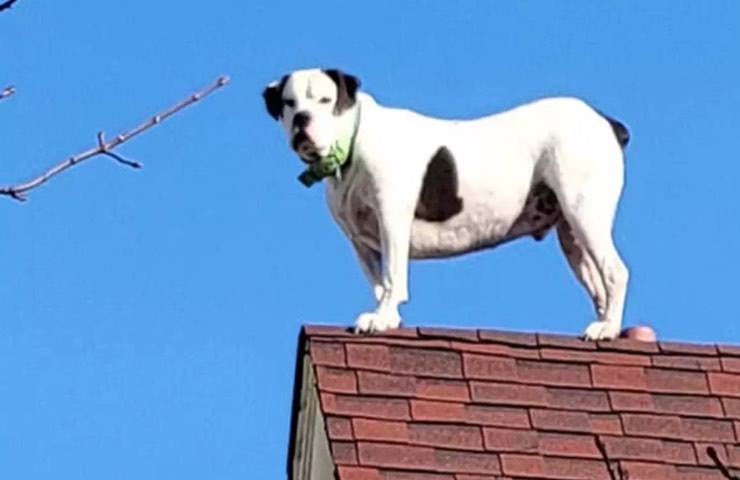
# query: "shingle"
{"points": [[453, 404]]}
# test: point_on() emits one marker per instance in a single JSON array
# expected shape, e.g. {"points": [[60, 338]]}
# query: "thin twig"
{"points": [[104, 147], [722, 468], [7, 91], [615, 473], [7, 5]]}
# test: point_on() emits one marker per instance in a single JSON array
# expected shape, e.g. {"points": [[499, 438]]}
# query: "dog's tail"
{"points": [[621, 132]]}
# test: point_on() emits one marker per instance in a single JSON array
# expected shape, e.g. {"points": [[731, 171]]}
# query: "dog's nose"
{"points": [[301, 119]]}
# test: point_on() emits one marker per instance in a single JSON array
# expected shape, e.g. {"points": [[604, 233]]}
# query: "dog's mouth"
{"points": [[305, 147]]}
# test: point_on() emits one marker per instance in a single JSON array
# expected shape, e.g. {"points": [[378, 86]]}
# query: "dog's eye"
{"points": [[324, 100], [289, 102]]}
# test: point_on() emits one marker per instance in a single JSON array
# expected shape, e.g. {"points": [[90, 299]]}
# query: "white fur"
{"points": [[561, 142]]}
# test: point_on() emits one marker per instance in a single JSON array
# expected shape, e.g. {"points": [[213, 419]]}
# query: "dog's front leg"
{"points": [[394, 221], [370, 263]]}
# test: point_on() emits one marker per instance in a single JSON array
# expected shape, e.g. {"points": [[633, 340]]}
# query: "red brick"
{"points": [[497, 416], [628, 345], [530, 466], [724, 384], [344, 453], [488, 367], [707, 430], [568, 445], [386, 384], [733, 455], [380, 430], [699, 473], [326, 331], [508, 338], [371, 407], [731, 350], [560, 420], [399, 341], [533, 466], [438, 411], [577, 469], [419, 361], [479, 477], [329, 354], [630, 448], [622, 377], [632, 402], [371, 357], [674, 381], [737, 431], [396, 475], [336, 380], [468, 462], [497, 349], [731, 407], [666, 404], [339, 428], [440, 389], [731, 365], [608, 358], [686, 362], [508, 394], [652, 425], [403, 332], [357, 473], [578, 399], [564, 341], [449, 333], [688, 405], [678, 452], [470, 414], [704, 458], [507, 440], [425, 458], [688, 348], [553, 373], [446, 436], [649, 471], [605, 424]]}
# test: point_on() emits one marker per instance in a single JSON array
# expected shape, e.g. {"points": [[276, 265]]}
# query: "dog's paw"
{"points": [[377, 322], [601, 330]]}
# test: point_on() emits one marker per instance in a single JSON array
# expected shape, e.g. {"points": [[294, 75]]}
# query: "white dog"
{"points": [[404, 185]]}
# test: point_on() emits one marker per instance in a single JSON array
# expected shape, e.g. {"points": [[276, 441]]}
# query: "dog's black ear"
{"points": [[273, 95], [347, 86]]}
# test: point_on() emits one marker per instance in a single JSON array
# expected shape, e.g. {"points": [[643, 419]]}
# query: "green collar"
{"points": [[331, 165]]}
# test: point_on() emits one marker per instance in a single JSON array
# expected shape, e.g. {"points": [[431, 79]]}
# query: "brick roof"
{"points": [[438, 404]]}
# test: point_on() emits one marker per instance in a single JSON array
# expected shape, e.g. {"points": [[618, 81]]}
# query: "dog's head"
{"points": [[314, 107]]}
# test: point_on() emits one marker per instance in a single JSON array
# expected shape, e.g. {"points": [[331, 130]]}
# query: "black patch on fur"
{"points": [[347, 86], [439, 200], [540, 213], [621, 133], [273, 96]]}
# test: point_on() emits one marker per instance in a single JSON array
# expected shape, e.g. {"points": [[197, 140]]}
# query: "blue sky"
{"points": [[149, 318]]}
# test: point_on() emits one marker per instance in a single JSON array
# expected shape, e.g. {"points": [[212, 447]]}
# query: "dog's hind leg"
{"points": [[583, 267], [587, 178], [590, 216]]}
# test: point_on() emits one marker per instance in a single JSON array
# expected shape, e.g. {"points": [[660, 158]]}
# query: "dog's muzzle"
{"points": [[304, 146]]}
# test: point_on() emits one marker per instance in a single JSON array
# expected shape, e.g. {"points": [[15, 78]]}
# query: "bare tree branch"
{"points": [[7, 91], [614, 468], [712, 452], [7, 5], [104, 147]]}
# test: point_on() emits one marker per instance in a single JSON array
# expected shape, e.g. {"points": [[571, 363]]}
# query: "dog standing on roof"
{"points": [[404, 185]]}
